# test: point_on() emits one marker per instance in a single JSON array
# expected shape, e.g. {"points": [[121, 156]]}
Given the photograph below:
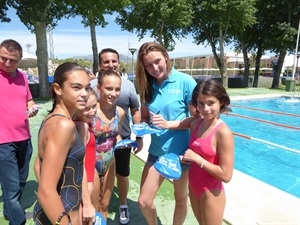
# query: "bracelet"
{"points": [[61, 216], [138, 137], [202, 164]]}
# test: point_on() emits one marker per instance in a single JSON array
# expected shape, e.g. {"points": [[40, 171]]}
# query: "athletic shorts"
{"points": [[152, 159], [122, 158]]}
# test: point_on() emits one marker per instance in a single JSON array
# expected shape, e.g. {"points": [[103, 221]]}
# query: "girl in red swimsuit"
{"points": [[211, 151], [83, 121]]}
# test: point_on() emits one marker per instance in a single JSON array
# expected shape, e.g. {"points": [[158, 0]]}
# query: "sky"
{"points": [[71, 38]]}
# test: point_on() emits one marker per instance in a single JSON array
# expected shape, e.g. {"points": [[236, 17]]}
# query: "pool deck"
{"points": [[251, 201]]}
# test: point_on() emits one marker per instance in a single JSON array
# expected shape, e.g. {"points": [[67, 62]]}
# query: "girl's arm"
{"points": [[54, 146], [36, 168], [159, 121], [88, 210], [145, 117], [224, 144]]}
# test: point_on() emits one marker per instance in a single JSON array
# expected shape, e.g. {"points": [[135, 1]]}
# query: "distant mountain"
{"points": [[123, 58]]}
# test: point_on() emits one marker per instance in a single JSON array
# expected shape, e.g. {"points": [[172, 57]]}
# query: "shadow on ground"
{"points": [[136, 216], [28, 197], [29, 194]]}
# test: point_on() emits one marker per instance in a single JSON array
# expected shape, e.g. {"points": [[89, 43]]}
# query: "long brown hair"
{"points": [[144, 80]]}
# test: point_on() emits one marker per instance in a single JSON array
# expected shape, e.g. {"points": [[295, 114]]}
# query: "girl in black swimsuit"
{"points": [[61, 150]]}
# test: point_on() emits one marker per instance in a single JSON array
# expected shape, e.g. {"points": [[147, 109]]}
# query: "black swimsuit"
{"points": [[69, 186]]}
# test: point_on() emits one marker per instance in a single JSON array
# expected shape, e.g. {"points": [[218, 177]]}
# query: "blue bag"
{"points": [[99, 219], [168, 166]]}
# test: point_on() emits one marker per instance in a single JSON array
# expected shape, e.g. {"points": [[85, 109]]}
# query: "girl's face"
{"points": [[75, 90], [155, 64], [110, 89], [90, 110], [208, 106]]}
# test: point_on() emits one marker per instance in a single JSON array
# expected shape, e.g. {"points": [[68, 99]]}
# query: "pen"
{"points": [[151, 124]]}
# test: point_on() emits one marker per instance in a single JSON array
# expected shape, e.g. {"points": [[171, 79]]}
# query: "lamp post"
{"points": [[132, 50]]}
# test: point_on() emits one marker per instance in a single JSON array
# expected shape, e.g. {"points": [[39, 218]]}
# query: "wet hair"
{"points": [[212, 88], [105, 73], [61, 75], [106, 50], [12, 46], [144, 80]]}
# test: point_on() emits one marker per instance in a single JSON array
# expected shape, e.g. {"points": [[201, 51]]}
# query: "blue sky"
{"points": [[70, 38]]}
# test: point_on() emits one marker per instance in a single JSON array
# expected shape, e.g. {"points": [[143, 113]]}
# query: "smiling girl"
{"points": [[107, 126], [61, 149]]}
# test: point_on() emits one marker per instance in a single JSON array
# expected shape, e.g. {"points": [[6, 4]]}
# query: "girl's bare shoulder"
{"points": [[60, 124]]}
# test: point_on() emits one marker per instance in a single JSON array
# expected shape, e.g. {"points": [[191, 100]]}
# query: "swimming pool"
{"points": [[267, 140]]}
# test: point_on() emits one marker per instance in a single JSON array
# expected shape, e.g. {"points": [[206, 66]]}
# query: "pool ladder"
{"points": [[296, 89]]}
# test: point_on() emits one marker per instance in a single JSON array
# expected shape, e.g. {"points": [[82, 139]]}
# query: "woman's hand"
{"points": [[158, 120]]}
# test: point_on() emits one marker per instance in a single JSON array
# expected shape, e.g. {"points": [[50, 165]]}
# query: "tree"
{"points": [[283, 24], [215, 22], [163, 19], [3, 9], [274, 30], [37, 16], [252, 40], [92, 12]]}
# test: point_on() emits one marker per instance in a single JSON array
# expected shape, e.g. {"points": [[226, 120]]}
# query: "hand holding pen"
{"points": [[158, 120]]}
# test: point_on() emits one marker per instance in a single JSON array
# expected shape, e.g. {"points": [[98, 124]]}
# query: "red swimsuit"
{"points": [[90, 157], [201, 181]]}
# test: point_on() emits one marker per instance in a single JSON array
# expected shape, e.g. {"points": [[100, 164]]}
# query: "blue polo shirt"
{"points": [[171, 100]]}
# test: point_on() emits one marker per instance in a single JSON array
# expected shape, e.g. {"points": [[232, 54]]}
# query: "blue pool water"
{"points": [[272, 154]]}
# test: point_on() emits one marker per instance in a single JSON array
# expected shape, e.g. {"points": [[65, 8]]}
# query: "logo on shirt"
{"points": [[174, 91]]}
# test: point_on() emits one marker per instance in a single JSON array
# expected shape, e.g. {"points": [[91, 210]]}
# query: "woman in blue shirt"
{"points": [[166, 91]]}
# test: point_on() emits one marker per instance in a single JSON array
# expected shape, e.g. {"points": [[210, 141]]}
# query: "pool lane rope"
{"points": [[268, 142], [264, 110], [265, 121]]}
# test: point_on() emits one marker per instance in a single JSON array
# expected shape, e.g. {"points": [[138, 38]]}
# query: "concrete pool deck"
{"points": [[251, 201]]}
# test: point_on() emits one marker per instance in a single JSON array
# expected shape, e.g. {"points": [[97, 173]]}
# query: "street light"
{"points": [[132, 50]]}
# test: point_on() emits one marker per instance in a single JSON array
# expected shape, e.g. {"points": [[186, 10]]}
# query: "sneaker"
{"points": [[124, 214]]}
